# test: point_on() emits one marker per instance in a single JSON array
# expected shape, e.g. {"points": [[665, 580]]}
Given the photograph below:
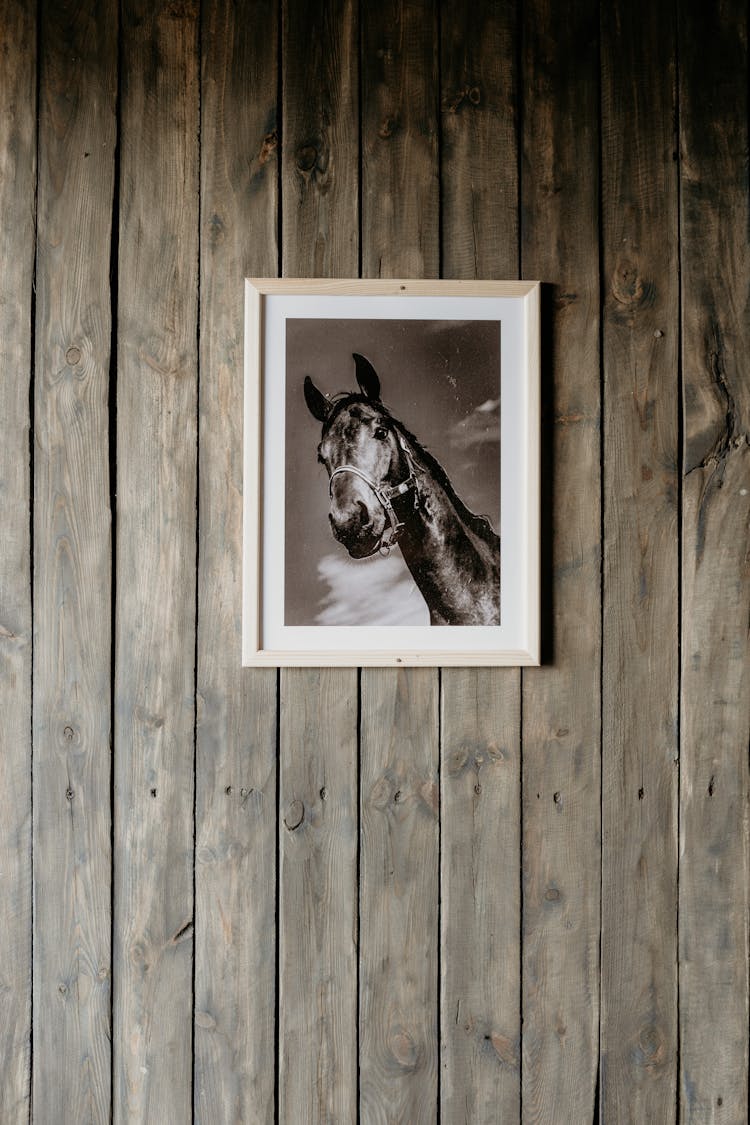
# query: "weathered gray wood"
{"points": [[640, 748], [714, 782], [400, 176], [320, 145], [480, 899], [480, 754], [318, 889], [156, 555], [73, 565], [561, 700], [399, 895], [17, 181], [479, 140], [399, 836], [235, 886], [317, 1040]]}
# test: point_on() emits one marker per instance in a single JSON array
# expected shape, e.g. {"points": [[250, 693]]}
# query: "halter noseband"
{"points": [[384, 496]]}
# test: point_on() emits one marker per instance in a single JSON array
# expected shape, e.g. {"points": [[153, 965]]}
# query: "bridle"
{"points": [[384, 495]]}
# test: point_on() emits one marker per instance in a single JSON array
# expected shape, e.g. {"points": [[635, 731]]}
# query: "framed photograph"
{"points": [[391, 484]]}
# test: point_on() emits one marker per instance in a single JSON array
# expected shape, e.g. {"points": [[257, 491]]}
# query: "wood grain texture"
{"points": [[320, 158], [17, 184], [480, 899], [479, 140], [398, 1024], [640, 641], [317, 1034], [156, 559], [715, 703], [399, 733], [438, 153], [318, 889], [561, 701], [235, 886], [72, 566], [480, 755], [400, 175]]}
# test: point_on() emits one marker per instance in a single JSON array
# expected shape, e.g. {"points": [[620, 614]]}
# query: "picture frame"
{"points": [[391, 473]]}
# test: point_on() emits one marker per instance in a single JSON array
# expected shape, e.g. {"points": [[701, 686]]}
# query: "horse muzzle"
{"points": [[356, 529]]}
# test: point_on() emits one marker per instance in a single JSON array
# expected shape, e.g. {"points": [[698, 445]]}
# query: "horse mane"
{"points": [[480, 525]]}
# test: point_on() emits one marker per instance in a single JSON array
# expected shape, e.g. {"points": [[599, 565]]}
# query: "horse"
{"points": [[387, 489]]}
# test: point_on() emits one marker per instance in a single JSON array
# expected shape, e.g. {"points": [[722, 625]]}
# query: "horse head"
{"points": [[364, 459]]}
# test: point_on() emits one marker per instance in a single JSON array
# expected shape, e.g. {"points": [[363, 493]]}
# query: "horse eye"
{"points": [[380, 433]]}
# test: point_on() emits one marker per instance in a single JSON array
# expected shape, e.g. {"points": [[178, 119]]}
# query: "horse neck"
{"points": [[443, 552]]}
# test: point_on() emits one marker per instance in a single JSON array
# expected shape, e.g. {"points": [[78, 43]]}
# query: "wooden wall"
{"points": [[387, 895]]}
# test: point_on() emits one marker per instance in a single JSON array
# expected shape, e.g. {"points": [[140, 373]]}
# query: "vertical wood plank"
{"points": [[400, 175], [235, 886], [714, 782], [480, 915], [73, 565], [318, 722], [561, 700], [480, 755], [399, 794], [321, 144], [156, 557], [399, 895], [318, 889], [17, 183], [640, 743]]}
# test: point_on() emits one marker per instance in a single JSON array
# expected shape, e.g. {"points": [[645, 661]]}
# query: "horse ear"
{"points": [[317, 403], [366, 377]]}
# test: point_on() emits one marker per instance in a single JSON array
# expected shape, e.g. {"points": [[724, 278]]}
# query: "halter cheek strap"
{"points": [[384, 495]]}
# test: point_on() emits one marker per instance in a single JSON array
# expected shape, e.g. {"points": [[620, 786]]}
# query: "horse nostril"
{"points": [[351, 521]]}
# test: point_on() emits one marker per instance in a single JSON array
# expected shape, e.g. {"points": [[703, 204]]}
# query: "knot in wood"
{"points": [[388, 128], [470, 94], [458, 760], [380, 794], [404, 1049], [139, 955], [73, 356], [295, 815], [504, 1047], [651, 1051], [552, 894], [268, 147], [306, 157], [628, 287], [216, 229], [179, 10]]}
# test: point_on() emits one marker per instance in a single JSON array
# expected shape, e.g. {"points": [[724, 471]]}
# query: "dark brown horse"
{"points": [[385, 488]]}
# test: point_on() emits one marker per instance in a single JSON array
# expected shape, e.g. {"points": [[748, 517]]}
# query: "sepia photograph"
{"points": [[381, 421], [393, 472]]}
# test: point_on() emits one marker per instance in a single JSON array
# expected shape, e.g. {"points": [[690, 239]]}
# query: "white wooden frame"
{"points": [[525, 650]]}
